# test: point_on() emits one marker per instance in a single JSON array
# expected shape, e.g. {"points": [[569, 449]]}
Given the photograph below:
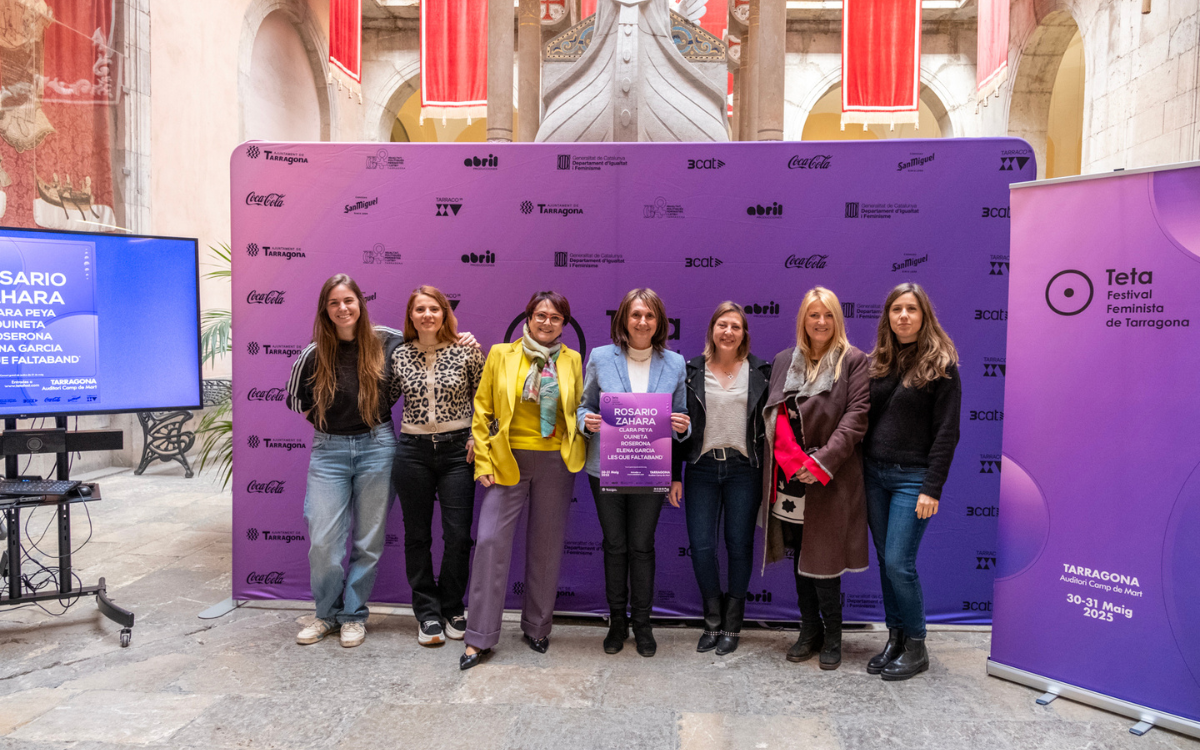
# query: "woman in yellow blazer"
{"points": [[527, 452]]}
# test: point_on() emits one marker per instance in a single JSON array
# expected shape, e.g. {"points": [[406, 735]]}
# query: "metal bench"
{"points": [[163, 433]]}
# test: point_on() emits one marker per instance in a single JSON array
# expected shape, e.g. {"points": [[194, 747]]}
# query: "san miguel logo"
{"points": [[274, 578], [270, 394], [273, 487], [273, 297], [821, 161], [908, 264], [266, 200], [361, 206], [914, 164]]}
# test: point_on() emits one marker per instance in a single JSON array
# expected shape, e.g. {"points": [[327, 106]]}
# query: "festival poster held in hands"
{"points": [[635, 442]]}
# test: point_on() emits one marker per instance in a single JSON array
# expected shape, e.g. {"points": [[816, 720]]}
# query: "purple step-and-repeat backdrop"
{"points": [[758, 223], [1099, 540]]}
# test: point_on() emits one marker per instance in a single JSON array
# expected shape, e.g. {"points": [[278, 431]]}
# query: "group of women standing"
{"points": [[816, 446]]}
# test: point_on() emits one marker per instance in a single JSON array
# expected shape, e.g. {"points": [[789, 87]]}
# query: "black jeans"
{"points": [[423, 469], [629, 523], [817, 597]]}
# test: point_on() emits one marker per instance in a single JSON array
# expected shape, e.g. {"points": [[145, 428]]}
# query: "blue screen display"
{"points": [[96, 323]]}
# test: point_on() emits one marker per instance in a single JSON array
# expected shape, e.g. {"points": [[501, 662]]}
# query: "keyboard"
{"points": [[37, 487]]}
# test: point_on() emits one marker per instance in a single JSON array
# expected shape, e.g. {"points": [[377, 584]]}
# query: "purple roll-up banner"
{"points": [[758, 223], [1098, 589], [635, 442]]}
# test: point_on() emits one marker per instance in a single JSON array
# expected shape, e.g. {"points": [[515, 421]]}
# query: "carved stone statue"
{"points": [[630, 81]]}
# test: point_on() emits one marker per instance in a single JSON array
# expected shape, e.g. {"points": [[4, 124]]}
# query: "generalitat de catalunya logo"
{"points": [[1069, 292]]}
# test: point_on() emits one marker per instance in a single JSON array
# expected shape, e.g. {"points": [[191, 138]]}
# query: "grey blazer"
{"points": [[607, 372]]}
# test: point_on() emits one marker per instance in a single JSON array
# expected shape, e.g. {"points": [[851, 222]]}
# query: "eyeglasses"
{"points": [[543, 318]]}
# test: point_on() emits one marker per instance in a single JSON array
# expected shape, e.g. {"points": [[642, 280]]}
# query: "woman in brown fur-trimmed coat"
{"points": [[813, 498]]}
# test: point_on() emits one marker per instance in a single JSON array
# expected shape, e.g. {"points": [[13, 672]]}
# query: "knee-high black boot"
{"points": [[712, 624], [829, 594], [731, 627]]}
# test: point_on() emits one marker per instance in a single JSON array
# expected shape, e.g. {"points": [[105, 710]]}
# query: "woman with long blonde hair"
{"points": [[915, 399], [813, 499]]}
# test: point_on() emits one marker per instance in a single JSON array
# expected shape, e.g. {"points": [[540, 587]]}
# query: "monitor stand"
{"points": [[15, 443]]}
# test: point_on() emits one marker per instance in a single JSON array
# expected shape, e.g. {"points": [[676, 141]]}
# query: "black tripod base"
{"points": [[122, 617]]}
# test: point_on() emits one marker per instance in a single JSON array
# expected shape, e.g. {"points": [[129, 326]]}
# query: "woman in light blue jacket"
{"points": [[636, 362]]}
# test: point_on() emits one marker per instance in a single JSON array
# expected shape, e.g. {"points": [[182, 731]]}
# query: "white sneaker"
{"points": [[430, 633], [314, 632], [353, 633], [455, 628]]}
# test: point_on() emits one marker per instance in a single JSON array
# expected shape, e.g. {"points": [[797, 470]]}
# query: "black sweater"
{"points": [[342, 417], [915, 427]]}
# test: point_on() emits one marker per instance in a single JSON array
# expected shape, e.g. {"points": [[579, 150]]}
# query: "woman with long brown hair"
{"points": [[915, 399], [813, 500]]}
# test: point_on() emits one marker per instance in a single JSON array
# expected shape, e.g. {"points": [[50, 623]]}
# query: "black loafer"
{"points": [[538, 644], [466, 661]]}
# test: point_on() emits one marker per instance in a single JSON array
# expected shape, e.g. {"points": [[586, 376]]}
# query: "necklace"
{"points": [[635, 355], [728, 375]]}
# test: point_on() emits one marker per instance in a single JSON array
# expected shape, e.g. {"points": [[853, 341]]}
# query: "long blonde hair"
{"points": [[370, 356], [837, 342], [921, 364]]}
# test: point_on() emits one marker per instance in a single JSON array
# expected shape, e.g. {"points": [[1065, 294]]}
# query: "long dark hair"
{"points": [[370, 356], [921, 364]]}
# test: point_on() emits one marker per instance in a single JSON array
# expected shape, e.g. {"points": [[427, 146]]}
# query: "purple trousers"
{"points": [[545, 487]]}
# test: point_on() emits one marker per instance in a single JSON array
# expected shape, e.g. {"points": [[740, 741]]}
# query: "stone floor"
{"points": [[163, 543]]}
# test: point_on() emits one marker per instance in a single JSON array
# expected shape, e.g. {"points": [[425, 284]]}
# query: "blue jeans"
{"points": [[347, 475], [710, 487], [892, 492]]}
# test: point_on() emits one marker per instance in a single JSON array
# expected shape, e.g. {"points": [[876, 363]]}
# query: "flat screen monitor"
{"points": [[97, 323]]}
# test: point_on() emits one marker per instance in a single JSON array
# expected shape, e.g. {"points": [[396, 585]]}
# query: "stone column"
{"points": [[529, 70], [769, 63], [750, 46], [500, 71], [735, 122]]}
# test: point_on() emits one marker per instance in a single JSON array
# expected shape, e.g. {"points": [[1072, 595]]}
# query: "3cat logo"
{"points": [[1001, 212], [564, 161], [999, 268], [448, 209], [253, 441], [852, 210], [977, 606], [705, 164], [560, 259], [487, 258], [989, 466], [252, 249], [1013, 163], [985, 563], [709, 262], [527, 207], [252, 151], [986, 415], [252, 348], [252, 534]]}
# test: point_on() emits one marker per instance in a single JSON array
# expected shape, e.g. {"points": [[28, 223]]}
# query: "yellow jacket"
{"points": [[496, 399]]}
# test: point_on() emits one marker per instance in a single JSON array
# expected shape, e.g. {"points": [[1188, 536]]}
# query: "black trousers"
{"points": [[816, 596], [629, 523], [425, 471]]}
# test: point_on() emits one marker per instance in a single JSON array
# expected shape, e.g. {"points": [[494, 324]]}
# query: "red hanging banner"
{"points": [[454, 58], [587, 8], [345, 37], [881, 61], [991, 65]]}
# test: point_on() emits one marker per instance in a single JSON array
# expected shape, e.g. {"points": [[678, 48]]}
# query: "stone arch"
{"points": [[308, 28], [1037, 66], [933, 95], [402, 84]]}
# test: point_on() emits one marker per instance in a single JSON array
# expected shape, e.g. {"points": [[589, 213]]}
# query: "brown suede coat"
{"points": [[834, 422]]}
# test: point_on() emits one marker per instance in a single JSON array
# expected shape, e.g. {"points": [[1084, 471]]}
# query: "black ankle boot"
{"points": [[712, 624], [618, 631], [829, 592], [913, 661], [731, 627], [643, 635], [812, 634], [894, 647]]}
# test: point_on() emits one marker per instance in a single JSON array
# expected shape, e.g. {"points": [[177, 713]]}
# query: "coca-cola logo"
{"points": [[271, 394], [270, 200], [273, 297], [274, 578], [810, 162], [811, 261], [273, 487]]}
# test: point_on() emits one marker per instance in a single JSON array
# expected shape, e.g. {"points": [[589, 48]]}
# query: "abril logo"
{"points": [[487, 258], [774, 210], [491, 161], [771, 308], [1065, 292]]}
